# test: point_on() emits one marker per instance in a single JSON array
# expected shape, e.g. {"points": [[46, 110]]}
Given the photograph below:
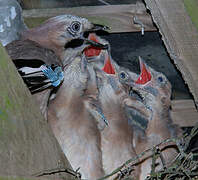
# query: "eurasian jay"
{"points": [[30, 55]]}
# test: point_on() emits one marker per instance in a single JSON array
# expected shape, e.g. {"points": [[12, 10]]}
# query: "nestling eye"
{"points": [[123, 75], [160, 79], [75, 26]]}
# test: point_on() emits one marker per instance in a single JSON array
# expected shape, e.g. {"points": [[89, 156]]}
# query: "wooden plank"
{"points": [[180, 37], [40, 4], [184, 113], [27, 143], [118, 17], [182, 104]]}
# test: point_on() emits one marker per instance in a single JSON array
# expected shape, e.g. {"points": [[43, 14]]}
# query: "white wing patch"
{"points": [[1, 28], [13, 12]]}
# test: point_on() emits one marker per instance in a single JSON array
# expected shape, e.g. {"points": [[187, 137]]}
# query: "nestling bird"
{"points": [[155, 91], [103, 60], [73, 116], [116, 139]]}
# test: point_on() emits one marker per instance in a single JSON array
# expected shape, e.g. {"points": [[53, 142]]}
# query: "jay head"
{"points": [[57, 32]]}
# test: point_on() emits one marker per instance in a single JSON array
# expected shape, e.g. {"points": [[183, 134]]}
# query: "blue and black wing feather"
{"points": [[39, 67], [43, 78]]}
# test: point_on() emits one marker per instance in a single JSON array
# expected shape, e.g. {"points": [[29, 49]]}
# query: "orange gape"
{"points": [[145, 76], [92, 51], [108, 67]]}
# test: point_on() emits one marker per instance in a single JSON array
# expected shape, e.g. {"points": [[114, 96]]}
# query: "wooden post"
{"points": [[27, 144], [118, 17], [180, 37]]}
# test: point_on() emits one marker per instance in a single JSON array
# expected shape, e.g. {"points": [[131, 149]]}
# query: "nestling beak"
{"points": [[145, 75], [108, 67]]}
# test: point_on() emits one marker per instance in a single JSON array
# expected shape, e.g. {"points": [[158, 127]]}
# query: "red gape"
{"points": [[108, 68], [145, 76], [92, 51]]}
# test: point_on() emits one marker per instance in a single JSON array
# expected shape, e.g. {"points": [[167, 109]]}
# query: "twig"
{"points": [[137, 158], [76, 174], [154, 158]]}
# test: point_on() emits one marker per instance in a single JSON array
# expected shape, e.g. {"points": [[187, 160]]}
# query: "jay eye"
{"points": [[75, 26], [123, 75]]}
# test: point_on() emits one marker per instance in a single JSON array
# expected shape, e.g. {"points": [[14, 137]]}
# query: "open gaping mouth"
{"points": [[92, 51], [108, 67], [137, 90], [145, 75]]}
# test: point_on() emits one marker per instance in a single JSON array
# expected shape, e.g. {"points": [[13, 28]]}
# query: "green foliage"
{"points": [[192, 9]]}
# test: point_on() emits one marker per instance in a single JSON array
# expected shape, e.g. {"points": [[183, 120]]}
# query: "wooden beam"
{"points": [[118, 17], [180, 37], [184, 113], [26, 139]]}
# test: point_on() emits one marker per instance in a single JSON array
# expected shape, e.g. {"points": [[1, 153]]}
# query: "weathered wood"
{"points": [[118, 17], [180, 37], [184, 113], [35, 4], [27, 144]]}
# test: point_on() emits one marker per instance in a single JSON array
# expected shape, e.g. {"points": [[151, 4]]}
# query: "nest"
{"points": [[183, 167]]}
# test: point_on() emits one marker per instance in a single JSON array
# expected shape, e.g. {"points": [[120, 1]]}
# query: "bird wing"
{"points": [[27, 52], [35, 64], [43, 77]]}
